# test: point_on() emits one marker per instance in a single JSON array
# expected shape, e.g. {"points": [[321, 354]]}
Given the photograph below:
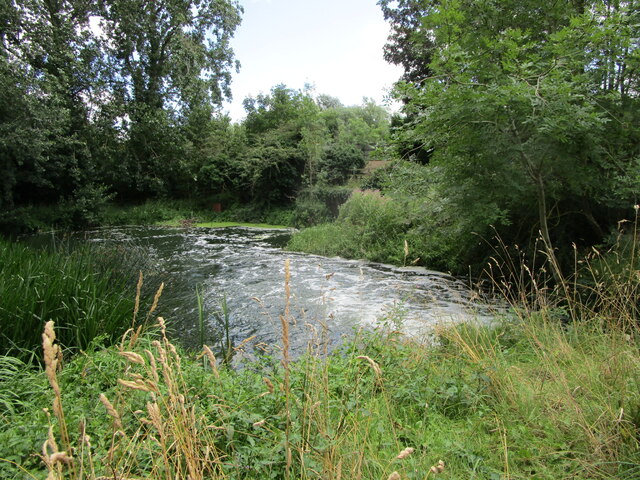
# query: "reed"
{"points": [[84, 296]]}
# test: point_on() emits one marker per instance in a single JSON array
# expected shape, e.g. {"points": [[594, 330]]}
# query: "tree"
{"points": [[353, 132], [170, 58], [280, 130], [409, 45], [531, 106], [49, 74]]}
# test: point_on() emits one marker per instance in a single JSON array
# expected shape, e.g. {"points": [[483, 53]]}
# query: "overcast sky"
{"points": [[335, 45]]}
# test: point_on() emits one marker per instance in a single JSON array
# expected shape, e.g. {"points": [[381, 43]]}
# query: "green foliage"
{"points": [[369, 226], [528, 112], [319, 204], [87, 292], [295, 142], [132, 111], [528, 397], [86, 207], [124, 106], [403, 218], [340, 162]]}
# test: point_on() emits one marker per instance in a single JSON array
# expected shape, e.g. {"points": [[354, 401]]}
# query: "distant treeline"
{"points": [[121, 100]]}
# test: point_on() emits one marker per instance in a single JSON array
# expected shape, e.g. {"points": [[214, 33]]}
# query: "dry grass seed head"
{"points": [[51, 355], [405, 453], [268, 383], [60, 457], [154, 366], [55, 457], [139, 384], [374, 366], [437, 468], [156, 418], [49, 443], [113, 413], [133, 357], [137, 301], [154, 305]]}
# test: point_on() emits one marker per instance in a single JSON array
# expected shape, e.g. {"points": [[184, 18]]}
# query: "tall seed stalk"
{"points": [[284, 321]]}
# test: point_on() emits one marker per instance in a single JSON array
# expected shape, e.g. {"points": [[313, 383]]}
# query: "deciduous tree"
{"points": [[531, 106]]}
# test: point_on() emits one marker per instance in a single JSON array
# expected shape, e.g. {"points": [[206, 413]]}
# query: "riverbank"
{"points": [[527, 398], [549, 391], [31, 219], [195, 223]]}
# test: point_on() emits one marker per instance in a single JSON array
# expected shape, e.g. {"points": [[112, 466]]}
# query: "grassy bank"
{"points": [[179, 213], [525, 399], [381, 228], [89, 292], [196, 223], [31, 219]]}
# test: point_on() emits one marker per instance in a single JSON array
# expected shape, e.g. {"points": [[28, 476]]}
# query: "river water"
{"points": [[246, 266]]}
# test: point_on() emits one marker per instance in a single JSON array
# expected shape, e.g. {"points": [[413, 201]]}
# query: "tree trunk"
{"points": [[544, 227]]}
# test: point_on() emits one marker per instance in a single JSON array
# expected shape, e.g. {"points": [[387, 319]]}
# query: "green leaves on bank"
{"points": [[526, 112], [88, 293]]}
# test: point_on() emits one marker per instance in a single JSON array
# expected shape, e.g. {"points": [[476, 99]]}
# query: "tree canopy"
{"points": [[530, 109], [99, 92]]}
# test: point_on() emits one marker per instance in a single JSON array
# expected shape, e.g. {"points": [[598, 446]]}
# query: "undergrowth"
{"points": [[550, 390]]}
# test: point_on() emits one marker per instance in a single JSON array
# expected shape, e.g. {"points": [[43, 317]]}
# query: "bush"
{"points": [[340, 162], [369, 226], [406, 220], [319, 204], [19, 221], [85, 208]]}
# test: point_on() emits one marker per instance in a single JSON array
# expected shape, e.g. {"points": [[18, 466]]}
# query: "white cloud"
{"points": [[333, 44]]}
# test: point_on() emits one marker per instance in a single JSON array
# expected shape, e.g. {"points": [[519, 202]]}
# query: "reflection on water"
{"points": [[247, 267]]}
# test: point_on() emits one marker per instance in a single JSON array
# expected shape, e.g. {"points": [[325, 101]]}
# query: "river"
{"points": [[328, 296]]}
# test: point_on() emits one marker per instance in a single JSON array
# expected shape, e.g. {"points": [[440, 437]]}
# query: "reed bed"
{"points": [[80, 290]]}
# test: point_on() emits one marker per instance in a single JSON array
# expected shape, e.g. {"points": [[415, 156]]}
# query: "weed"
{"points": [[527, 397]]}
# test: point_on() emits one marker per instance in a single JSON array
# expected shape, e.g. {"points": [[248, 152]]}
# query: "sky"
{"points": [[334, 45]]}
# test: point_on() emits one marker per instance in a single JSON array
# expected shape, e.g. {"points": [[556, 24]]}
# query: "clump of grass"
{"points": [[369, 226], [84, 295]]}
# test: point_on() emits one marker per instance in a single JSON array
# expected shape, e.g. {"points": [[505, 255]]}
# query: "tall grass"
{"points": [[531, 396], [369, 226], [79, 290], [515, 401]]}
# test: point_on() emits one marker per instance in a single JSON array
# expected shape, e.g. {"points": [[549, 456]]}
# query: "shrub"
{"points": [[370, 225], [319, 204]]}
